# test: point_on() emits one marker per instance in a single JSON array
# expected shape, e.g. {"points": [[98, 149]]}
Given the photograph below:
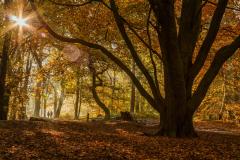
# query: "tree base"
{"points": [[177, 134], [193, 134], [177, 129], [126, 116]]}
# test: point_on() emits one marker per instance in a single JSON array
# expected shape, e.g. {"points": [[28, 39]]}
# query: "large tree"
{"points": [[177, 35]]}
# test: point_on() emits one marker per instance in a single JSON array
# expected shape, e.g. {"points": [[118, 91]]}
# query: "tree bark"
{"points": [[113, 88], [60, 100], [38, 99], [77, 107], [220, 117], [133, 91], [55, 99], [28, 69], [138, 102], [175, 124], [4, 97], [95, 95]]}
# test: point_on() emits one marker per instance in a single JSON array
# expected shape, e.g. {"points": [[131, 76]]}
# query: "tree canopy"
{"points": [[170, 58]]}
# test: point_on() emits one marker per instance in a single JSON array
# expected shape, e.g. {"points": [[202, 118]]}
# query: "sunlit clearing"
{"points": [[19, 21]]}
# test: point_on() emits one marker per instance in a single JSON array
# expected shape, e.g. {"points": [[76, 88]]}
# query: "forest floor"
{"points": [[113, 140]]}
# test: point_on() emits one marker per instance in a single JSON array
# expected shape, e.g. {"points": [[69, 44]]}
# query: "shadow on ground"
{"points": [[109, 140]]}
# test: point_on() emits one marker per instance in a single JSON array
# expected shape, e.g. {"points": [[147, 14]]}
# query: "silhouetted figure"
{"points": [[87, 117], [48, 114]]}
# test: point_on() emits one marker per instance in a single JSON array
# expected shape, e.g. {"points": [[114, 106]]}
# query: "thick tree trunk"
{"points": [[175, 124]]}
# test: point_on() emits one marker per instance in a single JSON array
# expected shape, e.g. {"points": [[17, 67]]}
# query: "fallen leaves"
{"points": [[112, 140]]}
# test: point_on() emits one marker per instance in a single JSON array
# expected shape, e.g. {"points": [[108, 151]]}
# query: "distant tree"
{"points": [[78, 101], [98, 82]]}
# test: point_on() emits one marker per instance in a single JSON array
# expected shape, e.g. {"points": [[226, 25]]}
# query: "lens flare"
{"points": [[19, 21]]}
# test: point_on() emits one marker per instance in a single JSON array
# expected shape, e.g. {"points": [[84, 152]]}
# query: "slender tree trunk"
{"points": [[38, 92], [137, 105], [61, 100], [97, 98], [113, 85], [45, 107], [80, 104], [80, 99], [76, 108], [37, 99], [223, 98], [13, 112], [78, 96], [25, 86], [45, 98], [142, 106], [133, 91], [55, 100]]}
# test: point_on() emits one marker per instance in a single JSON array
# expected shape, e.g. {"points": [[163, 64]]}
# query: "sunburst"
{"points": [[18, 20]]}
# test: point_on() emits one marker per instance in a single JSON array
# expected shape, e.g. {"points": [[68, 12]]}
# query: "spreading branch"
{"points": [[103, 50], [220, 58], [133, 52], [209, 39], [228, 7]]}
